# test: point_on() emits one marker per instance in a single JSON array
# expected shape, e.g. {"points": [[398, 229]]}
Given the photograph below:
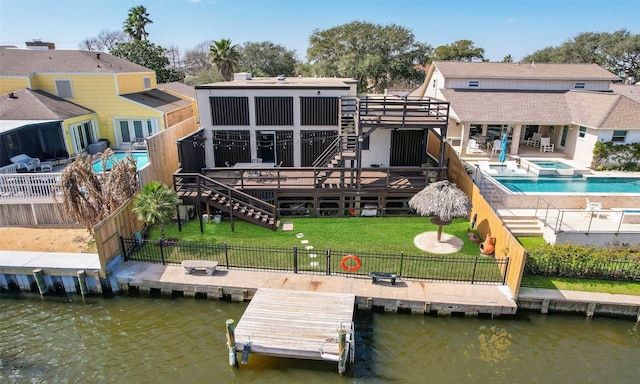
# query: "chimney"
{"points": [[40, 45]]}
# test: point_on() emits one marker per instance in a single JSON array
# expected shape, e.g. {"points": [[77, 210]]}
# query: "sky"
{"points": [[502, 27]]}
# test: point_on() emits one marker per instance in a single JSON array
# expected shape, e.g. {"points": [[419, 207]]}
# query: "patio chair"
{"points": [[24, 161], [545, 144], [513, 167], [496, 147], [486, 168], [593, 207], [473, 146], [62, 156], [534, 140]]}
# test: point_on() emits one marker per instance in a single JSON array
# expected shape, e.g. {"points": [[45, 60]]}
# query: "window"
{"points": [[319, 110], [64, 88], [147, 82], [274, 110], [474, 83], [582, 132], [619, 136], [83, 135], [579, 85], [132, 130]]}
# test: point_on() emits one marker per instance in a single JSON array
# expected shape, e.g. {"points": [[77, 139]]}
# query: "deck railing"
{"points": [[475, 270], [28, 186]]}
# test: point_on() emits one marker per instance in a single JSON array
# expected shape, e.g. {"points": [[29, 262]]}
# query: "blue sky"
{"points": [[501, 27]]}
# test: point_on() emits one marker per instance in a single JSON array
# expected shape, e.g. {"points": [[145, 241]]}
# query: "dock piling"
{"points": [[42, 285], [231, 343], [82, 282]]}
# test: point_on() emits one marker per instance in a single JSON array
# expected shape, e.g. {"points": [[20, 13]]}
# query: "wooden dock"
{"points": [[296, 324]]}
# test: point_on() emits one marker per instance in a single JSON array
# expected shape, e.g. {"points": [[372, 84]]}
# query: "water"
{"points": [[549, 164], [141, 158], [182, 340], [571, 184]]}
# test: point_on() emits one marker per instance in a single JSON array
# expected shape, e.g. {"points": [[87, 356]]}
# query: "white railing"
{"points": [[8, 169], [28, 185]]}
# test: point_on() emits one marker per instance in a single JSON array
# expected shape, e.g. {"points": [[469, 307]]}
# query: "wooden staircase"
{"points": [[193, 188]]}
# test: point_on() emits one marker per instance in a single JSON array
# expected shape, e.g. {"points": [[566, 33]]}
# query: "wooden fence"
{"points": [[488, 222]]}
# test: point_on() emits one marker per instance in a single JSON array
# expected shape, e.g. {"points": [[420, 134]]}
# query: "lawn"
{"points": [[362, 234], [586, 285]]}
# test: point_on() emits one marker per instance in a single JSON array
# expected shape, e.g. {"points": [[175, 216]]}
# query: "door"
{"points": [[266, 142]]}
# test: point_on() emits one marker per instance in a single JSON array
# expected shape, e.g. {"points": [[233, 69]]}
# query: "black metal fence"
{"points": [[478, 270]]}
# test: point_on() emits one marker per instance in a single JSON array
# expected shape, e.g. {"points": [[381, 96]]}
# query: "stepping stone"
{"points": [[314, 264], [287, 226], [299, 235], [308, 247], [304, 241], [313, 255]]}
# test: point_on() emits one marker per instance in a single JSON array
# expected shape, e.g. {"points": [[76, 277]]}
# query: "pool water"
{"points": [[550, 164], [571, 184], [141, 158]]}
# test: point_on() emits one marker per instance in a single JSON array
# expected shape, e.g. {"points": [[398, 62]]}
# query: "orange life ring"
{"points": [[356, 259]]}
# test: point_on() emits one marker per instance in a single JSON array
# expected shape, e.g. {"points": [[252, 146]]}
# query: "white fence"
{"points": [[28, 186]]}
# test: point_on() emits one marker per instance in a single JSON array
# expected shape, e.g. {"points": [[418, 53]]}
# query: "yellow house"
{"points": [[126, 104]]}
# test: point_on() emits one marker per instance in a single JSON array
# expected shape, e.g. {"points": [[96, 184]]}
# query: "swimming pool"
{"points": [[141, 158], [571, 184]]}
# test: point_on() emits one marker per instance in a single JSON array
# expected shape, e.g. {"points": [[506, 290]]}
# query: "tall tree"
{"points": [[507, 59], [155, 205], [377, 56], [618, 52], [225, 57], [461, 50], [148, 55], [197, 58], [136, 23], [104, 42], [266, 59]]}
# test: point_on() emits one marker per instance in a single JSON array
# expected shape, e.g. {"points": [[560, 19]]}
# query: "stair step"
{"points": [[527, 233]]}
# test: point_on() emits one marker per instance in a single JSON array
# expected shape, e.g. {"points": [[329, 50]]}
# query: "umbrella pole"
{"points": [[439, 232]]}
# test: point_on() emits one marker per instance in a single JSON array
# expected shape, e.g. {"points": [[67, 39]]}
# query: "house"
{"points": [[571, 104], [311, 146], [126, 105]]}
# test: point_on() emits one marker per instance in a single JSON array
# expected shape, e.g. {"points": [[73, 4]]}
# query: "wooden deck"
{"points": [[295, 324]]}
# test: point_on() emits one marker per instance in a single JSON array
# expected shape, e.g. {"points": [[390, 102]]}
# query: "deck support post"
{"points": [[82, 282], [342, 351], [231, 343], [42, 285]]}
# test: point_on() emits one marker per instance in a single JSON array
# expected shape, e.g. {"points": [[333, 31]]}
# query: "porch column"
{"points": [[464, 138], [515, 139]]}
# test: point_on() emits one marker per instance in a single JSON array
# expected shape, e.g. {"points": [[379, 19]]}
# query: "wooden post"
{"points": [[82, 281], [231, 343], [39, 276], [342, 351]]}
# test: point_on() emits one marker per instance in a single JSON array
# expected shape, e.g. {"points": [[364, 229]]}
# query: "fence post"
{"points": [[328, 268], [506, 268], [162, 250], [226, 253], [295, 259], [122, 249], [473, 276], [401, 264]]}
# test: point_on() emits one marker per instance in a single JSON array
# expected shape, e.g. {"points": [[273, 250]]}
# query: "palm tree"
{"points": [[225, 57], [155, 205], [442, 200], [136, 22]]}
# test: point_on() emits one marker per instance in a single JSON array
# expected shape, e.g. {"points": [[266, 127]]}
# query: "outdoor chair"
{"points": [[534, 140], [61, 156], [473, 146], [496, 147], [545, 144], [486, 168], [24, 161], [593, 207], [513, 167]]}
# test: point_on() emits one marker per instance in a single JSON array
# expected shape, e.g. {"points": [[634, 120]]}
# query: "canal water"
{"points": [[182, 340]]}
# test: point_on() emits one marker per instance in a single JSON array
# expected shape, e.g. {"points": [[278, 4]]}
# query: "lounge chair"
{"points": [[486, 168], [24, 161], [513, 167], [496, 147], [473, 146]]}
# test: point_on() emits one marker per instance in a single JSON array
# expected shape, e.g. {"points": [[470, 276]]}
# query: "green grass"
{"points": [[364, 234], [586, 285]]}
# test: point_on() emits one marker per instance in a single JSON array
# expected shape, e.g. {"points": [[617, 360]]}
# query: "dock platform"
{"points": [[295, 324]]}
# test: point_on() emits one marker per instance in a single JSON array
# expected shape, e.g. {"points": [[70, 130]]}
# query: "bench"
{"points": [[375, 276], [191, 265]]}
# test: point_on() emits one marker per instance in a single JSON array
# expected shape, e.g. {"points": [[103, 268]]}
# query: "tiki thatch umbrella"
{"points": [[442, 200]]}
